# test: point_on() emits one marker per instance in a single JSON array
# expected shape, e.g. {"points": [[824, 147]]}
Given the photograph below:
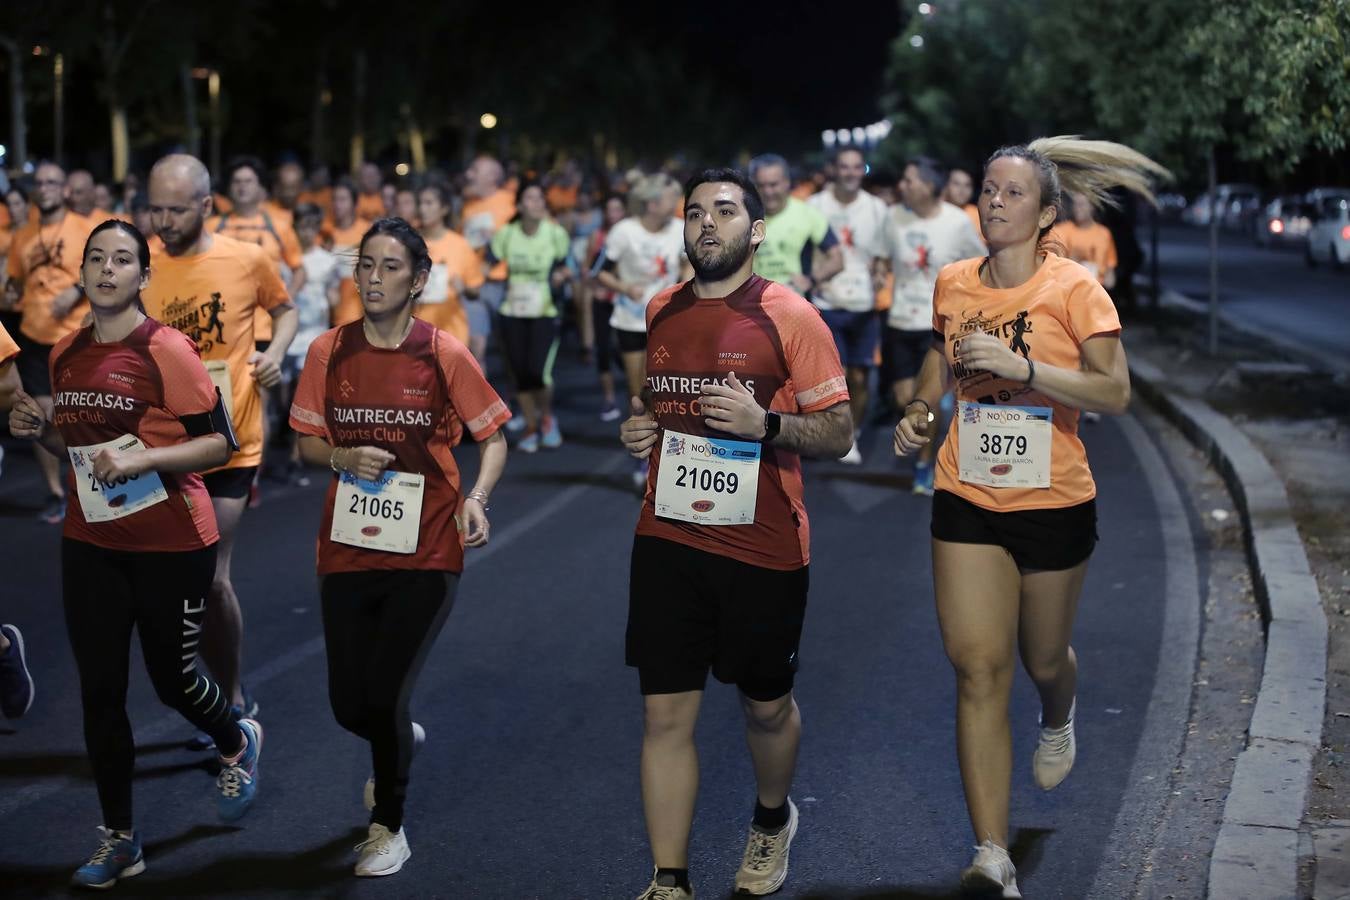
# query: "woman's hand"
{"points": [[26, 418], [109, 465], [981, 352], [475, 523], [911, 433], [366, 463]]}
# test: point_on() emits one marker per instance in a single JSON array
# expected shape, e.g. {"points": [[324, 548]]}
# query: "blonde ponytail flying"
{"points": [[1094, 168]]}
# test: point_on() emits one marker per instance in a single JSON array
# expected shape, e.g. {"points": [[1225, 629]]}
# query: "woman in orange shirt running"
{"points": [[1031, 339]]}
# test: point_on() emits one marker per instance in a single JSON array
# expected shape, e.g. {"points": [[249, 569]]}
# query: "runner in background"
{"points": [[1029, 339], [105, 201], [253, 222], [208, 286], [746, 364], [387, 594], [319, 190], [799, 250], [487, 208], [644, 255], [602, 308], [16, 209], [1088, 242], [847, 302], [44, 268], [535, 250], [405, 205], [958, 192], [921, 237], [456, 272], [314, 307], [139, 417], [81, 190], [16, 682], [288, 185], [343, 235], [583, 222], [370, 202]]}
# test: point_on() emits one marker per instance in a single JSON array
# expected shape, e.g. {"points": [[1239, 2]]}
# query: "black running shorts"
{"points": [[690, 611], [1038, 539]]}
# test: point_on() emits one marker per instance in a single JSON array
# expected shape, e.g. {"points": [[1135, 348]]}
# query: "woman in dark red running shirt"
{"points": [[383, 400], [138, 417]]}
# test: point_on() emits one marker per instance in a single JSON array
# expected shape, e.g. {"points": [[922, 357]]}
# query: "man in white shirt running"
{"points": [[847, 302]]}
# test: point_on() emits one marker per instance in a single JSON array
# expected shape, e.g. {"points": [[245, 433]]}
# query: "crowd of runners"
{"points": [[171, 344]]}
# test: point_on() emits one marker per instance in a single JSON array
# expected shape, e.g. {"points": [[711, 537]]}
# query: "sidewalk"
{"points": [[1280, 435]]}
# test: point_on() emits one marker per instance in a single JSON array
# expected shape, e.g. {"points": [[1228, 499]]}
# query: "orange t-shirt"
{"points": [[779, 347], [803, 190], [46, 261], [561, 199], [369, 206], [346, 243], [322, 198], [1092, 246], [973, 211], [211, 297], [270, 229], [143, 385], [8, 349], [480, 220], [439, 304], [414, 401], [1047, 319]]}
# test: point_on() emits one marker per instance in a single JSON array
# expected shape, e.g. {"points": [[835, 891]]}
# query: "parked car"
{"points": [[1235, 203], [1171, 207], [1329, 236], [1283, 222]]}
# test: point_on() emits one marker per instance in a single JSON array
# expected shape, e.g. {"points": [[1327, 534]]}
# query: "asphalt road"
{"points": [[1271, 291], [528, 785]]}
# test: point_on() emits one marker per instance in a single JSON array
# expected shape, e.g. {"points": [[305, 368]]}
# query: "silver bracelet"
{"points": [[480, 497]]}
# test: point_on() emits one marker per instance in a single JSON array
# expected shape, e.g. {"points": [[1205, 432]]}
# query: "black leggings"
{"points": [[379, 627], [530, 346], [606, 350], [162, 595]]}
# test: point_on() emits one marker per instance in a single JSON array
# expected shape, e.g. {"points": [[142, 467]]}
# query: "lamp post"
{"points": [[213, 111]]}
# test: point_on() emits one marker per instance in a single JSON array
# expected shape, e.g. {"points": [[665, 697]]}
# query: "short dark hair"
{"points": [[16, 187], [930, 170], [754, 205], [405, 234], [246, 162], [307, 211], [345, 183]]}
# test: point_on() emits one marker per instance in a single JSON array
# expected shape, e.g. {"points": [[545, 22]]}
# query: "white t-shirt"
{"points": [[323, 269], [644, 258], [859, 227], [918, 249]]}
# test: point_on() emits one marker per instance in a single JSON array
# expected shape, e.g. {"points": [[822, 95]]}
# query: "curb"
{"points": [[1256, 854]]}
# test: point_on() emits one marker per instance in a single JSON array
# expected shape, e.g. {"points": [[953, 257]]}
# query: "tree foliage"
{"points": [[1265, 80]]}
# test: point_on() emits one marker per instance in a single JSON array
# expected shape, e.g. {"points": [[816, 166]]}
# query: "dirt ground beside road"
{"points": [[1301, 422]]}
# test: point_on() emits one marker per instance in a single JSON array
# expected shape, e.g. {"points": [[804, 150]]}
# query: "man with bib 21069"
{"points": [[742, 378]]}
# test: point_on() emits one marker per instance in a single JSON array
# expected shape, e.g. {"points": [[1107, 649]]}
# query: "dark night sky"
{"points": [[751, 76]]}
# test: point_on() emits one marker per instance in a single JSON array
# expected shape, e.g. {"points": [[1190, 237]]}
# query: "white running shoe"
{"points": [[991, 873], [1055, 753], [419, 738], [764, 866], [853, 457], [658, 891], [382, 852]]}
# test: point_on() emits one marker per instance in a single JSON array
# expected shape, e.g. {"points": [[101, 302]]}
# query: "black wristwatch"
{"points": [[772, 422]]}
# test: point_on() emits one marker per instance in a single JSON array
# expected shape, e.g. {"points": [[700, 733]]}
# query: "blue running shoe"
{"points": [[16, 683], [116, 857], [203, 741], [551, 439], [238, 781]]}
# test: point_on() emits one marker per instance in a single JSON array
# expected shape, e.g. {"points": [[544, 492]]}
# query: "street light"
{"points": [[401, 169], [925, 9], [916, 42], [487, 120]]}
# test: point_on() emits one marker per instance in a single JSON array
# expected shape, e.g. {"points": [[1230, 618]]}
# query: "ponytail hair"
{"points": [[1091, 168]]}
